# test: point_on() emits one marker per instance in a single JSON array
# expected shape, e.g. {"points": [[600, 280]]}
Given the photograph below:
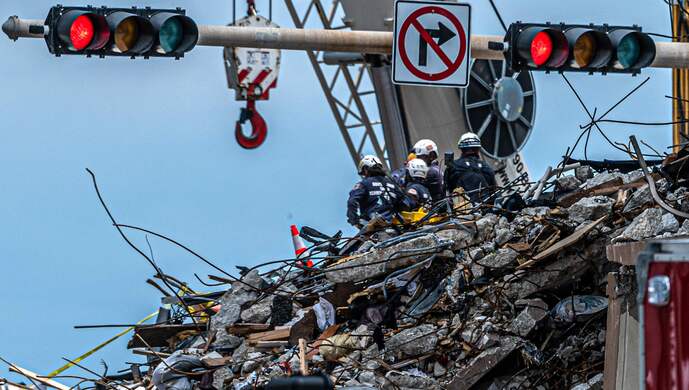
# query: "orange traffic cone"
{"points": [[300, 248]]}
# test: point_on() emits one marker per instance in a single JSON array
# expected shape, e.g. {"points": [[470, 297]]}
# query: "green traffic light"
{"points": [[171, 33], [628, 51]]}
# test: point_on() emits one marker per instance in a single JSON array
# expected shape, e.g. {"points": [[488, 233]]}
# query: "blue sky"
{"points": [[158, 134]]}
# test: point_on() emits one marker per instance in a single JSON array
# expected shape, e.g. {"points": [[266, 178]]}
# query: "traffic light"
{"points": [[130, 32], [578, 48]]}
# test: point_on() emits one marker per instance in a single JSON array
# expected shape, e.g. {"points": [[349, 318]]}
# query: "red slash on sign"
{"points": [[443, 34]]}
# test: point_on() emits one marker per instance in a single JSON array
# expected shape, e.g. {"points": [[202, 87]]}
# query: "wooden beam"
{"points": [[37, 378]]}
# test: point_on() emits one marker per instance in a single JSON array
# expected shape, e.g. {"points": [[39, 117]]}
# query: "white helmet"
{"points": [[424, 147], [469, 141], [417, 168], [369, 161]]}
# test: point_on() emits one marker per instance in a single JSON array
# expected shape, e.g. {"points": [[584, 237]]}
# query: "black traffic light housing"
{"points": [[126, 32], [578, 48]]}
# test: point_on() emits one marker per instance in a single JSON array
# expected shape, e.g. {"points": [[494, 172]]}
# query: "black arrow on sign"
{"points": [[443, 34]]}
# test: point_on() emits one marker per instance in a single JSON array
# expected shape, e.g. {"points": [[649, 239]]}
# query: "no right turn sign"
{"points": [[431, 45]]}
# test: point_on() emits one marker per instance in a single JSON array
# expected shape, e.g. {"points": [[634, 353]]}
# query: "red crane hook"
{"points": [[259, 129]]}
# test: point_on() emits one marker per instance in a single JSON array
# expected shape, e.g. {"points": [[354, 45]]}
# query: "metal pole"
{"points": [[668, 54]]}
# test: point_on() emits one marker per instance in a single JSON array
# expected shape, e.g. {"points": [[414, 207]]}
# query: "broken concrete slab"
{"points": [[589, 209], [567, 183], [379, 261], [402, 380], [476, 368], [258, 312], [535, 311], [639, 199], [413, 342], [503, 257], [583, 173], [650, 223]]}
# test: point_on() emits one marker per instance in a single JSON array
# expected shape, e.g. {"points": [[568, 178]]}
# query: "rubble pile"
{"points": [[493, 299]]}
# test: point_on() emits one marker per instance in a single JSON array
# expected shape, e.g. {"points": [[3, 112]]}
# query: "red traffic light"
{"points": [[81, 33], [542, 47], [578, 48], [81, 30], [120, 32]]}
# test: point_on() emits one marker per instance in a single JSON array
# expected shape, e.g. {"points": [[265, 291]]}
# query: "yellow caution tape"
{"points": [[99, 346]]}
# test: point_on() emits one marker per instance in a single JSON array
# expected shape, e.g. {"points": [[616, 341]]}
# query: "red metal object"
{"points": [[664, 286], [259, 129]]}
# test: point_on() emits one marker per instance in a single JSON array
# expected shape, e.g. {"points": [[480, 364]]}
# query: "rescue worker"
{"points": [[417, 193], [427, 151], [376, 195], [399, 175], [470, 172]]}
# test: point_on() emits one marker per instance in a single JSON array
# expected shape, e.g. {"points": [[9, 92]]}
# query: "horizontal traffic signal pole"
{"points": [[668, 54], [281, 38]]}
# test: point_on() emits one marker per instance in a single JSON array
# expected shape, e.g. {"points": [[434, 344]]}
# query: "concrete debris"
{"points": [[484, 298], [589, 209], [595, 383], [641, 198], [603, 178], [535, 311], [567, 183], [583, 173], [415, 341], [650, 223]]}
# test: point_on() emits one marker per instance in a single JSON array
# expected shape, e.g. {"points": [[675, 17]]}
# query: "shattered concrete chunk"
{"points": [[414, 341], [568, 266], [633, 176], [640, 198], [485, 227], [602, 178], [583, 173], [229, 314], [503, 235], [476, 368], [535, 212], [258, 312], [502, 258], [590, 209], [684, 229], [253, 361], [567, 183], [650, 223], [595, 383], [439, 370], [669, 224], [534, 312], [252, 279], [381, 260], [402, 380]]}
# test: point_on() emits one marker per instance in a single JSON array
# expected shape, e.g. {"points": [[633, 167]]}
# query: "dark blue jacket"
{"points": [[434, 182], [374, 195], [474, 175], [418, 195]]}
